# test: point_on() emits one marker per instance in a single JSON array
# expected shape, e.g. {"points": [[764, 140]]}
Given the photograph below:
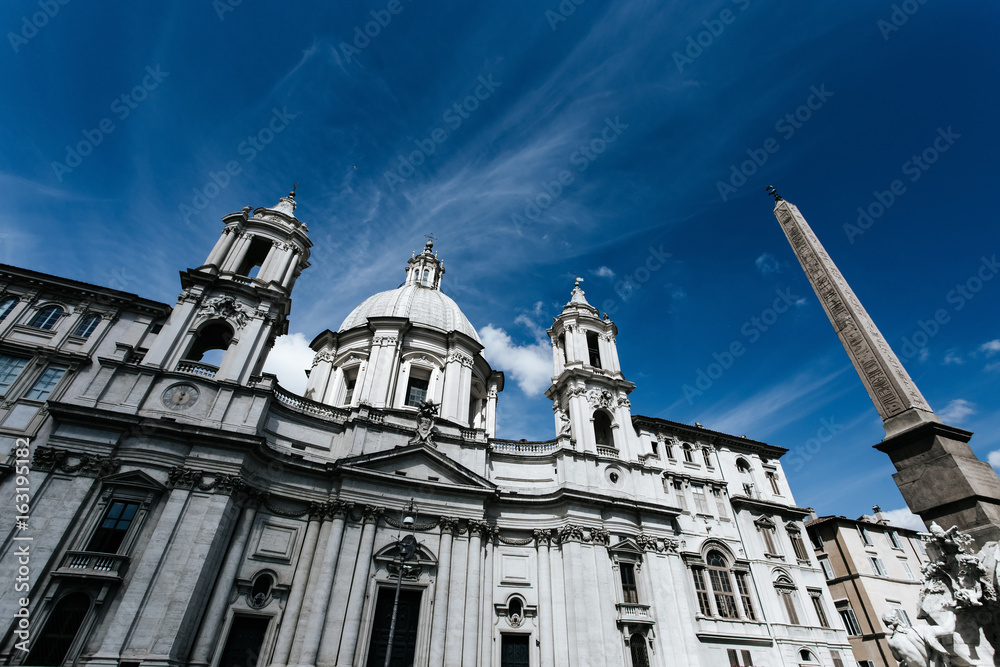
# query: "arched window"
{"points": [[603, 433], [7, 305], [87, 325], [708, 457], [688, 453], [746, 478], [56, 638], [254, 259], [637, 645], [213, 336], [261, 591], [562, 346], [46, 318], [786, 591], [722, 585]]}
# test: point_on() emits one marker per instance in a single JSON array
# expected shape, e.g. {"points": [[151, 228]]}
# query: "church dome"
{"points": [[419, 300], [421, 305]]}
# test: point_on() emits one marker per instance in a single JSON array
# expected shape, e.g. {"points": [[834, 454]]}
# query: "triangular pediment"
{"points": [[417, 463], [628, 545], [135, 479]]}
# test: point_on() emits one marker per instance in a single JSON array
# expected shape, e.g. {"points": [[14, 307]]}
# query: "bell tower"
{"points": [[589, 393], [233, 306]]}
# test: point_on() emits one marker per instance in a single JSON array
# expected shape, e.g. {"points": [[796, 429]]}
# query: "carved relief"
{"points": [[228, 308]]}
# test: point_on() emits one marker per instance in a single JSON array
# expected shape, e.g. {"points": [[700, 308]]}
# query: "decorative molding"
{"points": [[461, 357], [50, 458], [601, 398], [385, 340], [321, 356], [228, 308]]}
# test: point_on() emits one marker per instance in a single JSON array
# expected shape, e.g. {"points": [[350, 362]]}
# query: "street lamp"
{"points": [[407, 547]]}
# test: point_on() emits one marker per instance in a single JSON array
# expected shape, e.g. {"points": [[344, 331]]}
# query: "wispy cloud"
{"points": [[990, 347], [529, 365], [994, 459], [904, 518], [604, 272], [289, 359], [957, 411], [952, 358], [767, 264]]}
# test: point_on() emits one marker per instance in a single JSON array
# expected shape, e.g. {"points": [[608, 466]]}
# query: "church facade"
{"points": [[185, 509]]}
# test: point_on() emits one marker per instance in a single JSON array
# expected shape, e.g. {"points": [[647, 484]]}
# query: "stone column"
{"points": [[306, 612], [216, 610], [560, 636], [222, 246], [577, 612], [456, 603], [324, 587], [486, 607], [359, 585], [283, 645], [237, 254], [545, 634], [470, 635], [439, 630]]}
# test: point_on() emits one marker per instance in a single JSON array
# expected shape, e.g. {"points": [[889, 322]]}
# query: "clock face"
{"points": [[180, 396]]}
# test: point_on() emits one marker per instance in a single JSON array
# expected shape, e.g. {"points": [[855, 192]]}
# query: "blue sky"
{"points": [[647, 111]]}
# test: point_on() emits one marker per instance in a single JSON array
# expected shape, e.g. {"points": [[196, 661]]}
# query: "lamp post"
{"points": [[407, 547]]}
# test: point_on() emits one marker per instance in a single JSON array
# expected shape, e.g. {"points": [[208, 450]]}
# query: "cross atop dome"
{"points": [[425, 269]]}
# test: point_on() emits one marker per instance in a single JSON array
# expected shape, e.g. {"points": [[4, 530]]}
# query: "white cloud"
{"points": [[604, 272], [289, 359], [956, 411], [994, 458], [951, 358], [767, 263], [904, 518], [990, 347], [530, 366]]}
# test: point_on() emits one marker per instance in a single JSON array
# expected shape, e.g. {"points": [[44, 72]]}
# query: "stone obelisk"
{"points": [[938, 474]]}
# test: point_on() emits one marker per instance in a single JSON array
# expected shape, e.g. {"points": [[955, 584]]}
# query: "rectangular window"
{"points": [[739, 658], [679, 492], [907, 570], [630, 594], [404, 642], [798, 546], [866, 663], [702, 590], [720, 503], [246, 636], [877, 566], [894, 539], [827, 568], [817, 539], [767, 532], [849, 619], [593, 349], [10, 368], [416, 391], [787, 597], [837, 660], [350, 382], [700, 502], [45, 384], [817, 600], [772, 477], [725, 601], [865, 537], [111, 533], [743, 585], [903, 616]]}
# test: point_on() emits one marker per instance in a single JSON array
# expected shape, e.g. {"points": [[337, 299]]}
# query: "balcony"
{"points": [[630, 612], [607, 451], [93, 565], [197, 368], [310, 407], [523, 448]]}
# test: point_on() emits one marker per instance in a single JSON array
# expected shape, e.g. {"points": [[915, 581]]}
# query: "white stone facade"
{"points": [[266, 528]]}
